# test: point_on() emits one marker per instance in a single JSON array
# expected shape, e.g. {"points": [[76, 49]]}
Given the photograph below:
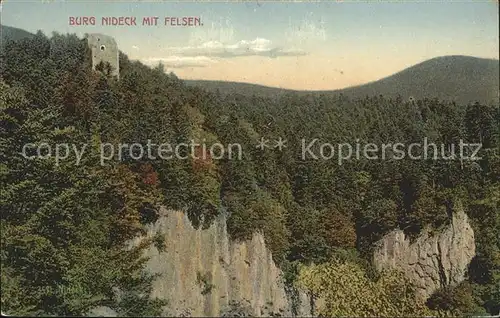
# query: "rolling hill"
{"points": [[462, 79], [10, 33], [459, 78]]}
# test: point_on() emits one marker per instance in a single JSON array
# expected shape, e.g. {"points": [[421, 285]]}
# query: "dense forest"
{"points": [[458, 78], [65, 228]]}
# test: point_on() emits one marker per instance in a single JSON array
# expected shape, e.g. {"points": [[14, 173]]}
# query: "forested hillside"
{"points": [[10, 33], [64, 228], [461, 79]]}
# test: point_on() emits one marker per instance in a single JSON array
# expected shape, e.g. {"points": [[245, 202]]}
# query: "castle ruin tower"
{"points": [[104, 49]]}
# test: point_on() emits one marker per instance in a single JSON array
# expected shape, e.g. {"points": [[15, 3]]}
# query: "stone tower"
{"points": [[104, 49]]}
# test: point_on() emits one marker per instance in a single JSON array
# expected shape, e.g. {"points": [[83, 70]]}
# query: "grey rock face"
{"points": [[203, 273], [104, 49], [102, 311], [432, 261]]}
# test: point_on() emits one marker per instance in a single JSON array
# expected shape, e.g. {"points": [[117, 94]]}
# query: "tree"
{"points": [[344, 290]]}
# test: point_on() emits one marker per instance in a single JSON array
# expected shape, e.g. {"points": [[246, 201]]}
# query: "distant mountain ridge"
{"points": [[11, 33], [459, 78], [463, 79]]}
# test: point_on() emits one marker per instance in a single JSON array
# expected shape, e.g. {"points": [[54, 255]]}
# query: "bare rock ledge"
{"points": [[433, 260]]}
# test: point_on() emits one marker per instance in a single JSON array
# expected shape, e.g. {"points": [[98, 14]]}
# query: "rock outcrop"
{"points": [[203, 273], [433, 260], [102, 311]]}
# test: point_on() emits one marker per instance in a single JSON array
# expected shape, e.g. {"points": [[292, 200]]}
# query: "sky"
{"points": [[297, 45]]}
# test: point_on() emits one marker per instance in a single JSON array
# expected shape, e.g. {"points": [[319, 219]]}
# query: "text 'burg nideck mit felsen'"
{"points": [[187, 21]]}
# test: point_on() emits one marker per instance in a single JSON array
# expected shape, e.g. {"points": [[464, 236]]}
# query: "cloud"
{"points": [[135, 47], [213, 51], [179, 61], [257, 47]]}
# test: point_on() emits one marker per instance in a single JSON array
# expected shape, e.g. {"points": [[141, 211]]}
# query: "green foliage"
{"points": [[65, 227], [259, 212], [205, 282], [159, 241], [343, 289], [455, 301]]}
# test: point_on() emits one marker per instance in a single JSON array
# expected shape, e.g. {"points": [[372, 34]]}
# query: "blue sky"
{"points": [[304, 45]]}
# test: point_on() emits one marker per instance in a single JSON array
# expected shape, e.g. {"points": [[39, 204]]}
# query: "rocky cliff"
{"points": [[432, 260], [204, 273]]}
